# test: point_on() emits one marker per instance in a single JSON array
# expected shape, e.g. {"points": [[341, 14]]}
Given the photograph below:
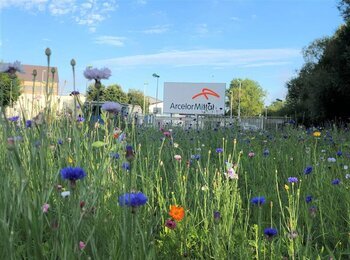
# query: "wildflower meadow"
{"points": [[73, 188]]}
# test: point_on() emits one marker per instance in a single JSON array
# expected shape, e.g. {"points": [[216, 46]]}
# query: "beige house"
{"points": [[35, 96], [38, 87]]}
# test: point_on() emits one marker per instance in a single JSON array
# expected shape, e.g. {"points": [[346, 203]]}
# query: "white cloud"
{"points": [[235, 18], [208, 57], [110, 40], [84, 12], [202, 29], [25, 4], [62, 7], [158, 29], [141, 2]]}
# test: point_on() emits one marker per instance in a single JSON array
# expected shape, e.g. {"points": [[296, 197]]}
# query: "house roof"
{"points": [[41, 73], [153, 100]]}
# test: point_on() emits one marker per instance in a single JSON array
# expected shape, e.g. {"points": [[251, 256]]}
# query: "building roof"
{"points": [[41, 73], [153, 100]]}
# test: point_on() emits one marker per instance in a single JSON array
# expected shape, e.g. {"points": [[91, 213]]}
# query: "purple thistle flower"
{"points": [[308, 170], [293, 179], [72, 173], [97, 74], [132, 199], [11, 67], [270, 232], [258, 200], [111, 107]]}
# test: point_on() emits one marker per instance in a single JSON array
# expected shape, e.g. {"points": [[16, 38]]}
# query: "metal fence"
{"points": [[206, 122]]}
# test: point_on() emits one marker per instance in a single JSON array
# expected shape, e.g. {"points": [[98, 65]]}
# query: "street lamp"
{"points": [[239, 100], [144, 97], [231, 97], [156, 76]]}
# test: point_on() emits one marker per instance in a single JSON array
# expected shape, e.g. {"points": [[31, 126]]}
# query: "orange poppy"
{"points": [[177, 213]]}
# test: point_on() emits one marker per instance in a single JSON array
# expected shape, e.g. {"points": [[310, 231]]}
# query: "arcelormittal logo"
{"points": [[206, 92]]}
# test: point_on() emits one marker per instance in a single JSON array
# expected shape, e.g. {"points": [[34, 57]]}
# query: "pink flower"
{"points": [[171, 224], [251, 155], [82, 245], [45, 207], [231, 174], [167, 134], [177, 157]]}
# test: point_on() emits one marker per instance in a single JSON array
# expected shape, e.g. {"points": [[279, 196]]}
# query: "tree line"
{"points": [[321, 90]]}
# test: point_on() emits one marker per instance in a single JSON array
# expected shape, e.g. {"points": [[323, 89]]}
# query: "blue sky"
{"points": [[180, 40]]}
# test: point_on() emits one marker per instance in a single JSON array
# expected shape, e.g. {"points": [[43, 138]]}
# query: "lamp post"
{"points": [[231, 104], [239, 100], [144, 97], [156, 76]]}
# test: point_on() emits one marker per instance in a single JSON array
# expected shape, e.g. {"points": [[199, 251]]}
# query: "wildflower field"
{"points": [[74, 190]]}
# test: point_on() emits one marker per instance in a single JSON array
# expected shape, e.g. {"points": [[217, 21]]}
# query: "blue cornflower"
{"points": [[308, 198], [217, 215], [293, 179], [13, 118], [219, 150], [59, 141], [266, 152], [129, 153], [29, 123], [132, 199], [80, 119], [308, 170], [336, 182], [339, 153], [115, 155], [258, 200], [270, 232], [72, 173], [126, 166], [196, 157]]}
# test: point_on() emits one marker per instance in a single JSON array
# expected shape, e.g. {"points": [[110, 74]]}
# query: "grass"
{"points": [[30, 177]]}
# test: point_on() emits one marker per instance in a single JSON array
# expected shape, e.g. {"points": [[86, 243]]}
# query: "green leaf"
{"points": [[98, 144]]}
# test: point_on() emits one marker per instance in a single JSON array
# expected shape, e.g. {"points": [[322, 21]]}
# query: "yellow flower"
{"points": [[70, 160], [317, 134], [286, 187]]}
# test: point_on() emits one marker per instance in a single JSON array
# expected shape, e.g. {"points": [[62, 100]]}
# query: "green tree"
{"points": [[94, 94], [321, 90], [247, 95], [115, 93], [136, 97], [344, 8], [276, 108], [10, 89]]}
